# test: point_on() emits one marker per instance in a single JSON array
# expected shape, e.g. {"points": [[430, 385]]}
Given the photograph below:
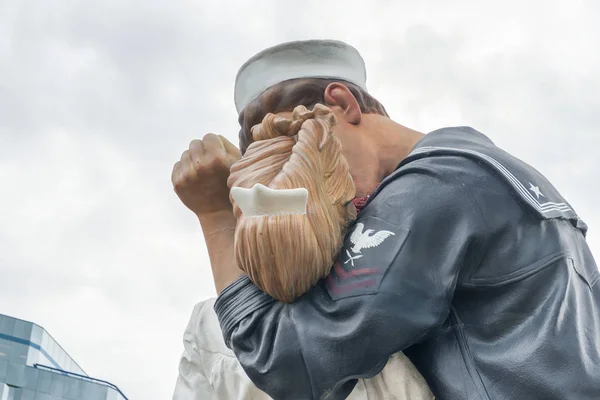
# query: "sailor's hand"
{"points": [[200, 176]]}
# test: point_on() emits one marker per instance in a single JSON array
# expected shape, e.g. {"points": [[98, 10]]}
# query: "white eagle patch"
{"points": [[364, 240]]}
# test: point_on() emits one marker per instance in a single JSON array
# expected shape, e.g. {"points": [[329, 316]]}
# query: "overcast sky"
{"points": [[99, 98]]}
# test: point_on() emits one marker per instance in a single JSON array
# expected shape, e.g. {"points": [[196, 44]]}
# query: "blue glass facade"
{"points": [[33, 366]]}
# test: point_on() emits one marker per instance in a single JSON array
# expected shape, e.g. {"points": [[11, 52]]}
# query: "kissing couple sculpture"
{"points": [[294, 200]]}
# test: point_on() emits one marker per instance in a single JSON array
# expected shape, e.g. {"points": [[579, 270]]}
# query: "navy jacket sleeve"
{"points": [[390, 287]]}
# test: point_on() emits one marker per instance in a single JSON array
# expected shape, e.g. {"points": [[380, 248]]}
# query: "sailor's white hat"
{"points": [[327, 59]]}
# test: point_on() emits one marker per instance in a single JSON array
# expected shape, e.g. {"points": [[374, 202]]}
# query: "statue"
{"points": [[292, 196]]}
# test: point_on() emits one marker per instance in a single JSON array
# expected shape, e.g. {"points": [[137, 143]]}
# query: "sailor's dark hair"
{"points": [[285, 96]]}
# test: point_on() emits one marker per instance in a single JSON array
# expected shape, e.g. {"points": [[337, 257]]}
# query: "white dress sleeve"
{"points": [[208, 370], [191, 382], [399, 380]]}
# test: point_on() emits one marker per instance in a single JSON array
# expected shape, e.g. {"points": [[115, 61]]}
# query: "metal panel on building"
{"points": [[33, 366]]}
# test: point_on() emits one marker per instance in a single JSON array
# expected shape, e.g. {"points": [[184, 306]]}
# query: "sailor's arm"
{"points": [[347, 326]]}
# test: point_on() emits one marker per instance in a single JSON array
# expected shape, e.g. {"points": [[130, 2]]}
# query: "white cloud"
{"points": [[98, 100]]}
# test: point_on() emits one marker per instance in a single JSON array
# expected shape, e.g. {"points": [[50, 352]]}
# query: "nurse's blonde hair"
{"points": [[286, 254]]}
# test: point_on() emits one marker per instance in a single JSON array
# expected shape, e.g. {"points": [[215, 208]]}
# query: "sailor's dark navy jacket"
{"points": [[468, 260]]}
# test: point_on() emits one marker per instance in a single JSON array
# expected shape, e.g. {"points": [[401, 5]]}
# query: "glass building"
{"points": [[33, 366]]}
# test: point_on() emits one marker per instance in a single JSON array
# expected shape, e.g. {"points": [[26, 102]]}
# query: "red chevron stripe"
{"points": [[339, 286], [343, 274]]}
